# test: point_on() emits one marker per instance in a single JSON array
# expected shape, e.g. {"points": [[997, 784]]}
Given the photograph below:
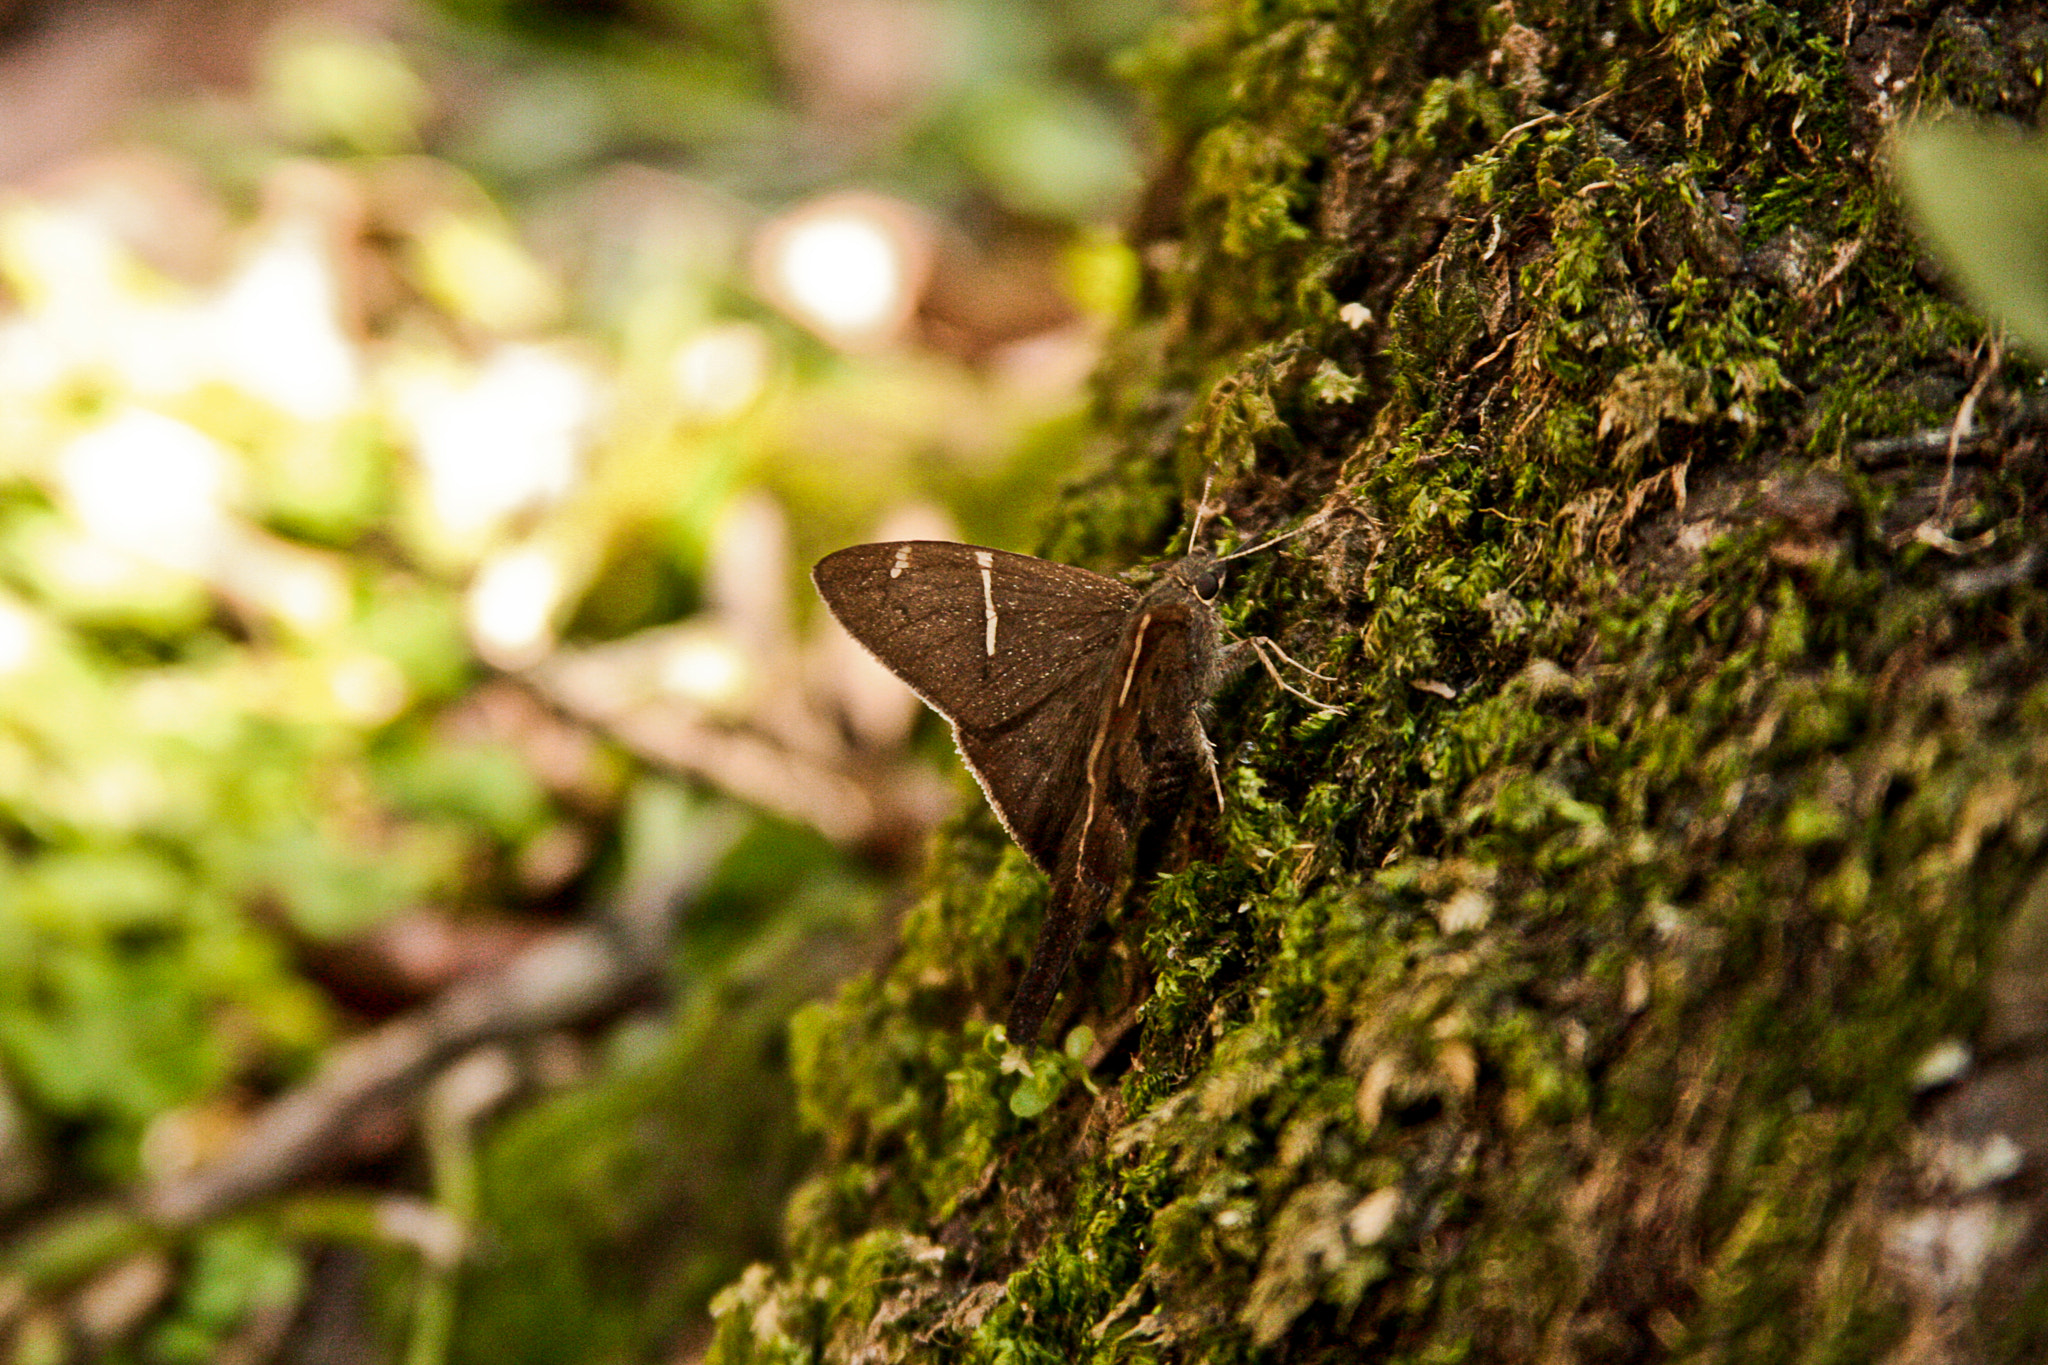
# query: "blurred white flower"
{"points": [[719, 372], [277, 328], [121, 794], [369, 688], [29, 362], [508, 438], [706, 668], [842, 271], [65, 263], [149, 486], [511, 607], [305, 589], [274, 330], [91, 566], [851, 267], [20, 636], [309, 594], [88, 304]]}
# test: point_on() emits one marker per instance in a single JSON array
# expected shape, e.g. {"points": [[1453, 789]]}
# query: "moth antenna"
{"points": [[1201, 511], [1317, 520]]}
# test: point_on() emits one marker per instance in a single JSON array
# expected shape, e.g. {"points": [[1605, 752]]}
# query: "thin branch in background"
{"points": [[572, 977]]}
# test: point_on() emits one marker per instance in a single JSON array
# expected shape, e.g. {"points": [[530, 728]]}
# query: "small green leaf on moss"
{"points": [[1331, 385]]}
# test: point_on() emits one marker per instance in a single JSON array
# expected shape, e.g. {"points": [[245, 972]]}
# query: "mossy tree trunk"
{"points": [[1653, 962]]}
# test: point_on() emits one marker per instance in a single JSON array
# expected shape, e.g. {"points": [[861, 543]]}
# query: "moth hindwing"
{"points": [[1073, 699]]}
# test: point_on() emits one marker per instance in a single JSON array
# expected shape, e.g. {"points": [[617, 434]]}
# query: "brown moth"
{"points": [[1074, 698]]}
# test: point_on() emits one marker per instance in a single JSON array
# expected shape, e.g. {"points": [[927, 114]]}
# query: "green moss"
{"points": [[1561, 997]]}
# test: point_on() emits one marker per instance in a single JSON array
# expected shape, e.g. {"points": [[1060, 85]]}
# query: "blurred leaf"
{"points": [[113, 1031], [344, 89], [479, 271], [1101, 274], [418, 626], [97, 585], [72, 1247], [328, 891], [1048, 151], [236, 1270], [1979, 191], [101, 889], [326, 483], [541, 122], [485, 783]]}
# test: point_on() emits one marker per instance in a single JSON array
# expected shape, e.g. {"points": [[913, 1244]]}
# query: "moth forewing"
{"points": [[1011, 650], [981, 635]]}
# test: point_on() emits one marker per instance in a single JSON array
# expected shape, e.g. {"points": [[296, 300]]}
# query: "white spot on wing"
{"points": [[987, 562], [1088, 817], [902, 561], [1137, 652]]}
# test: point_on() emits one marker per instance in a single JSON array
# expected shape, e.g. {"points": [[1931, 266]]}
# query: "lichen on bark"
{"points": [[1571, 996]]}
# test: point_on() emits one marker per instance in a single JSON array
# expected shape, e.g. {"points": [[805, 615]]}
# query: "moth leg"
{"points": [[1259, 644], [1208, 753], [1231, 660], [1270, 643]]}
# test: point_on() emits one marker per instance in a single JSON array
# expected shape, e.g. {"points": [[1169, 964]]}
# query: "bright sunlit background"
{"points": [[416, 422]]}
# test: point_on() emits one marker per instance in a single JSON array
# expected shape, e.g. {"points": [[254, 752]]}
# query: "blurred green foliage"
{"points": [[291, 382], [1979, 192]]}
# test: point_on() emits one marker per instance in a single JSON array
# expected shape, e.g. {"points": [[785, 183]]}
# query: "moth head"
{"points": [[1203, 574]]}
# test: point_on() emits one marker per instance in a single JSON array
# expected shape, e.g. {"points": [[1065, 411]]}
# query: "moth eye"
{"points": [[1208, 585]]}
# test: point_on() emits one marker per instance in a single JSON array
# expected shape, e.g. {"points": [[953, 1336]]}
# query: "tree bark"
{"points": [[1653, 962]]}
